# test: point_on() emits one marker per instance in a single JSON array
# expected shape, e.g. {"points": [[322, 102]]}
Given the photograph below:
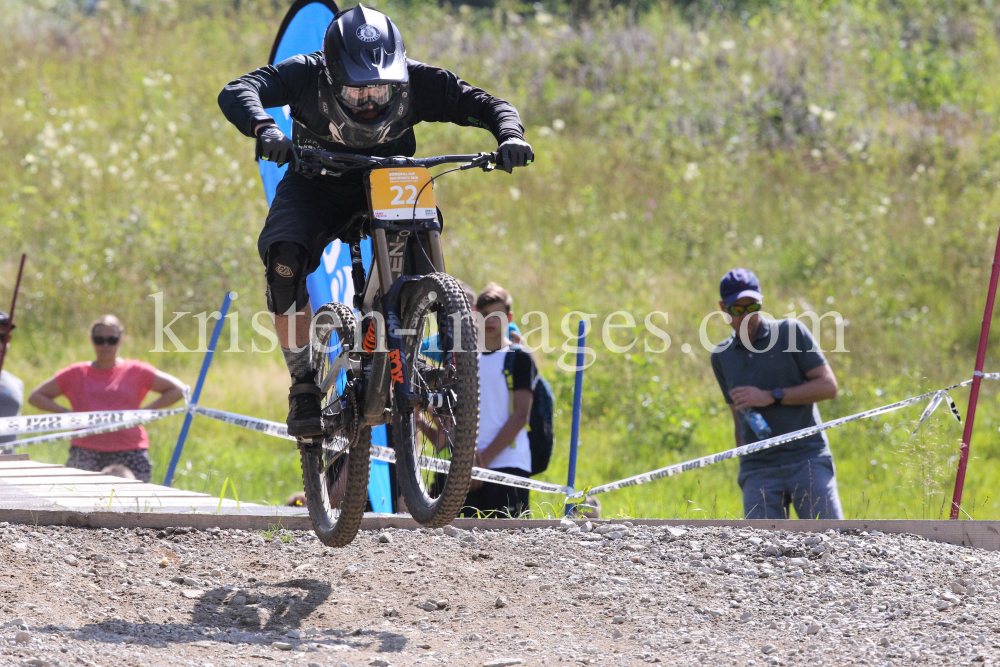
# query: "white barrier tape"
{"points": [[132, 423], [954, 408], [678, 468], [522, 482], [77, 420], [440, 465], [928, 411], [382, 453], [250, 423]]}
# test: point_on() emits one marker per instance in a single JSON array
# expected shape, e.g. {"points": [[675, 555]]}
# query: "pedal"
{"points": [[310, 443], [384, 418]]}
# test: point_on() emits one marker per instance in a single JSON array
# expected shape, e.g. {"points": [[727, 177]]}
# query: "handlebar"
{"points": [[315, 162]]}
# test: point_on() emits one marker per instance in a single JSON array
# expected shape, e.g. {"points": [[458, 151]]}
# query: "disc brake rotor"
{"points": [[349, 429]]}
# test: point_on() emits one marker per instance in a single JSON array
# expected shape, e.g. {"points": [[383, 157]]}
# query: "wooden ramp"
{"points": [[30, 485]]}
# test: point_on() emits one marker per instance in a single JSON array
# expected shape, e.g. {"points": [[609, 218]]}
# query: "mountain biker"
{"points": [[359, 94]]}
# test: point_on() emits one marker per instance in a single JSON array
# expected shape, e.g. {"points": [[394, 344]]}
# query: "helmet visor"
{"points": [[358, 98]]}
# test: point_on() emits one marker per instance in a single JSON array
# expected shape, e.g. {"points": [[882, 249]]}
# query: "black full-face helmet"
{"points": [[364, 89]]}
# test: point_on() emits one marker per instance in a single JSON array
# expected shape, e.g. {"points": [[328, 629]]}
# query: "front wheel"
{"points": [[440, 434], [335, 470]]}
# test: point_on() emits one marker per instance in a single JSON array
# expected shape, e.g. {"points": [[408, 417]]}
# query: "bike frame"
{"points": [[399, 260]]}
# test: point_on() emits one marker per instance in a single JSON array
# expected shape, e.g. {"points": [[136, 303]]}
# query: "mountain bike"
{"points": [[378, 370]]}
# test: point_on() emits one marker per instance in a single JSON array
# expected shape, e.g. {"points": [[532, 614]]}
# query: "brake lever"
{"points": [[484, 161], [300, 165]]}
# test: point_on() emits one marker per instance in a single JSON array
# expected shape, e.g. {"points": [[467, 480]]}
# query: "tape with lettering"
{"points": [[279, 430], [78, 420], [82, 433], [711, 459]]}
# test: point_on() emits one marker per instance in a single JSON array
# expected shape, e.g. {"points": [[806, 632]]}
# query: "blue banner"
{"points": [[302, 32]]}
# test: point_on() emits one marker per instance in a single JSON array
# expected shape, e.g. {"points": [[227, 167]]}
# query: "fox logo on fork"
{"points": [[396, 367]]}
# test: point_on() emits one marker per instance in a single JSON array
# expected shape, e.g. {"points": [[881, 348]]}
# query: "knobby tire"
{"points": [[326, 473], [463, 416]]}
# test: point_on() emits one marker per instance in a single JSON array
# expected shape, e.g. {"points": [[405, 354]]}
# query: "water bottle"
{"points": [[757, 423]]}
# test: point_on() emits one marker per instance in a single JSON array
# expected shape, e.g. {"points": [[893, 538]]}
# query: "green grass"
{"points": [[846, 151]]}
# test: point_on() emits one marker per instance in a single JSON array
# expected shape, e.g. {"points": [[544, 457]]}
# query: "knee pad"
{"points": [[286, 277]]}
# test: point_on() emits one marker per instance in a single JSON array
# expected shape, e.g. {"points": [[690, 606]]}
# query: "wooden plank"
{"points": [[979, 534], [158, 520], [22, 464], [14, 457], [41, 472], [119, 506], [56, 492], [68, 480]]}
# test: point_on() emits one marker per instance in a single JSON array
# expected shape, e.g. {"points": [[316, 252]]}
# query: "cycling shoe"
{"points": [[304, 411]]}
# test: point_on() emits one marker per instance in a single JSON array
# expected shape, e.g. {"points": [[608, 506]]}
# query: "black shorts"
{"points": [[498, 500], [311, 212], [136, 460]]}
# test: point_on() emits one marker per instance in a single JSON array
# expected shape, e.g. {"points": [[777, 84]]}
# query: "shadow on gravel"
{"points": [[262, 606], [258, 614]]}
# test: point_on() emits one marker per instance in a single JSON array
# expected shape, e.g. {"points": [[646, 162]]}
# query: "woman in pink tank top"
{"points": [[108, 383]]}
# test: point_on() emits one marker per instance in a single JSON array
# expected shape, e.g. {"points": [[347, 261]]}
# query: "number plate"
{"points": [[394, 192]]}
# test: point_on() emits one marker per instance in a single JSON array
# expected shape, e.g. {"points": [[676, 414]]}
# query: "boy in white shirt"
{"points": [[503, 413]]}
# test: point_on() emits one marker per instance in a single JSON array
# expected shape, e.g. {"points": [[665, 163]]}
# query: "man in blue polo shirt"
{"points": [[777, 370]]}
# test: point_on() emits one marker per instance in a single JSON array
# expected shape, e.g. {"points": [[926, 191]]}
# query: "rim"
{"points": [[432, 371]]}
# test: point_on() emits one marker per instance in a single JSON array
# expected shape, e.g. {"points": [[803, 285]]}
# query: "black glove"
{"points": [[274, 146], [514, 153]]}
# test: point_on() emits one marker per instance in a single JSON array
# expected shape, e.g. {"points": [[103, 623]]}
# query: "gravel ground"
{"points": [[681, 596]]}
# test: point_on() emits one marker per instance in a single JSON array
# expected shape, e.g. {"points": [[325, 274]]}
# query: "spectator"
{"points": [[430, 347], [777, 369], [108, 383], [11, 387], [503, 414]]}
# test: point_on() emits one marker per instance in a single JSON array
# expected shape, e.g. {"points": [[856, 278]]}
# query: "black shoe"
{"points": [[304, 412]]}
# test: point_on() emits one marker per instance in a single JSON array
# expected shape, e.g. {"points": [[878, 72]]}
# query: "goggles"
{"points": [[359, 97]]}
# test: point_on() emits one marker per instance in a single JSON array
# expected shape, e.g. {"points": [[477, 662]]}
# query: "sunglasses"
{"points": [[736, 311], [105, 340]]}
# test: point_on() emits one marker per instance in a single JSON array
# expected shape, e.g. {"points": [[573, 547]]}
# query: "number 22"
{"points": [[398, 199]]}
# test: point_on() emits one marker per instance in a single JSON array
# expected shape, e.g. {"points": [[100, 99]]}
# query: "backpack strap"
{"points": [[508, 372]]}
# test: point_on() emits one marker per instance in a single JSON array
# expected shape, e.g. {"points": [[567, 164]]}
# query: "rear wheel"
{"points": [[335, 469], [435, 443]]}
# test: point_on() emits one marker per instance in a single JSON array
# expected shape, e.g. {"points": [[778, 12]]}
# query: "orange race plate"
{"points": [[394, 191]]}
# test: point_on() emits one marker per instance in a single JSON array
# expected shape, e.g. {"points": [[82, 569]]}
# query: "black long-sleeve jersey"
{"points": [[437, 96]]}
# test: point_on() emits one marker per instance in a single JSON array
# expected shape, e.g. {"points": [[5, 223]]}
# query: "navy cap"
{"points": [[737, 284]]}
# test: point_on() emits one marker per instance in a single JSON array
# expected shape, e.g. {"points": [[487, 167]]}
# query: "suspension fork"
{"points": [[358, 275], [389, 368], [398, 371]]}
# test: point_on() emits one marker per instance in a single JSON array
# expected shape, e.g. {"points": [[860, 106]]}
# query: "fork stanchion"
{"points": [[216, 332], [574, 438]]}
